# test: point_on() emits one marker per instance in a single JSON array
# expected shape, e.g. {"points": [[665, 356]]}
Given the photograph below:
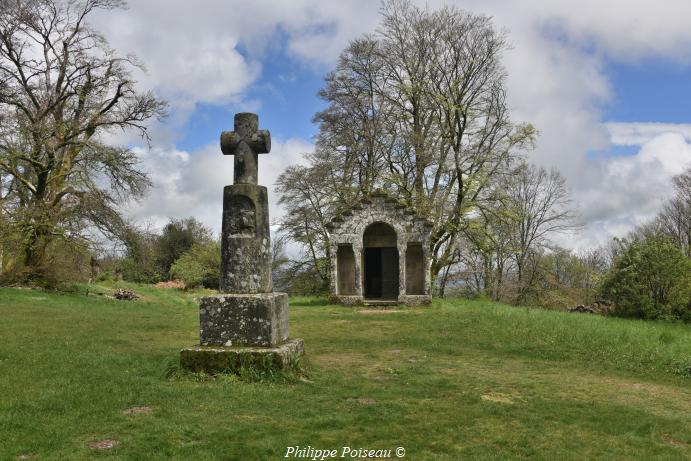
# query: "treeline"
{"points": [[185, 252]]}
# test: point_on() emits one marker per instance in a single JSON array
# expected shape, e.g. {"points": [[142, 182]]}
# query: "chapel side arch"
{"points": [[345, 270]]}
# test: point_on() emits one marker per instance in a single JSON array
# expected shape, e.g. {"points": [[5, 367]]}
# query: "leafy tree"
{"points": [[505, 243], [309, 207], [200, 266], [62, 88], [178, 236], [650, 278]]}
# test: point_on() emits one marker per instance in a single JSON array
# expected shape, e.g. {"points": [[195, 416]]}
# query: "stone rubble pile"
{"points": [[598, 307], [125, 295]]}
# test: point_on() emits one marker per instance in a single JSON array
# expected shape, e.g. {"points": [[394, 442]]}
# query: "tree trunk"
{"points": [[34, 252]]}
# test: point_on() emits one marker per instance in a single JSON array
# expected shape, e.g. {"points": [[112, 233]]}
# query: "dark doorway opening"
{"points": [[381, 273], [380, 262]]}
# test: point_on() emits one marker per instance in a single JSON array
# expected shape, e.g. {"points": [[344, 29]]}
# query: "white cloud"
{"points": [[211, 51], [557, 81], [621, 192], [623, 29], [637, 134]]}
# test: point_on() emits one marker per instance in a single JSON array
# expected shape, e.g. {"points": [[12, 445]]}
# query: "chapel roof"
{"points": [[377, 195]]}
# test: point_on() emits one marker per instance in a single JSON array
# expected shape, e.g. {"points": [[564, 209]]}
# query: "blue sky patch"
{"points": [[650, 90]]}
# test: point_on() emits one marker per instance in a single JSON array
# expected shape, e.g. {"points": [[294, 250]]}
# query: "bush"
{"points": [[200, 266], [138, 271], [177, 238], [650, 278], [139, 262]]}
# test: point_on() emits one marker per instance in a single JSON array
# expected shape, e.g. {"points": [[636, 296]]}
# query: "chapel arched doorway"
{"points": [[380, 262]]}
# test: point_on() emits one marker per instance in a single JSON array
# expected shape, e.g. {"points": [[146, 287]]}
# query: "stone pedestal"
{"points": [[243, 330], [243, 320]]}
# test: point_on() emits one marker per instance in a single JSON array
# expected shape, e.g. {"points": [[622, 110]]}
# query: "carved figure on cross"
{"points": [[245, 143]]}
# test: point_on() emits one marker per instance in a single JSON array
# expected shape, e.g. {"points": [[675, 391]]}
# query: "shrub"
{"points": [[650, 278], [138, 271], [200, 266], [177, 238]]}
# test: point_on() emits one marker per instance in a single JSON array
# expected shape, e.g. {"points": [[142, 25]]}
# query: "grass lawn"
{"points": [[458, 380]]}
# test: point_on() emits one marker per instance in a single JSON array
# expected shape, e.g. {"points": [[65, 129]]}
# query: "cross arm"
{"points": [[229, 142], [259, 142]]}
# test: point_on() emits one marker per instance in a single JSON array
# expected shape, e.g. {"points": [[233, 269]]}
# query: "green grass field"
{"points": [[458, 380]]}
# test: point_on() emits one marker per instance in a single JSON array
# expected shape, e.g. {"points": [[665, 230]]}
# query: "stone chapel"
{"points": [[380, 254]]}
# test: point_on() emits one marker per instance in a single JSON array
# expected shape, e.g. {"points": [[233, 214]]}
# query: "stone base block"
{"points": [[346, 300], [415, 300], [213, 359], [255, 320]]}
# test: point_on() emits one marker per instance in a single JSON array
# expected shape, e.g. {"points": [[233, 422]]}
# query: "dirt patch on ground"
{"points": [[171, 284], [341, 322], [647, 393], [378, 311], [498, 397], [138, 410], [106, 444], [448, 371], [251, 417], [669, 440], [342, 359]]}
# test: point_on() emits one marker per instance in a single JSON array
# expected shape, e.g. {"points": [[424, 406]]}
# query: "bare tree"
{"points": [[487, 250], [675, 218], [353, 123], [61, 88], [538, 206], [309, 205]]}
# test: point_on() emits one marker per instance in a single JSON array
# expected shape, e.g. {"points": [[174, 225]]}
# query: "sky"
{"points": [[606, 83]]}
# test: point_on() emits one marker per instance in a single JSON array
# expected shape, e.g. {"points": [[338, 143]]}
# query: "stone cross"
{"points": [[245, 143], [246, 324]]}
